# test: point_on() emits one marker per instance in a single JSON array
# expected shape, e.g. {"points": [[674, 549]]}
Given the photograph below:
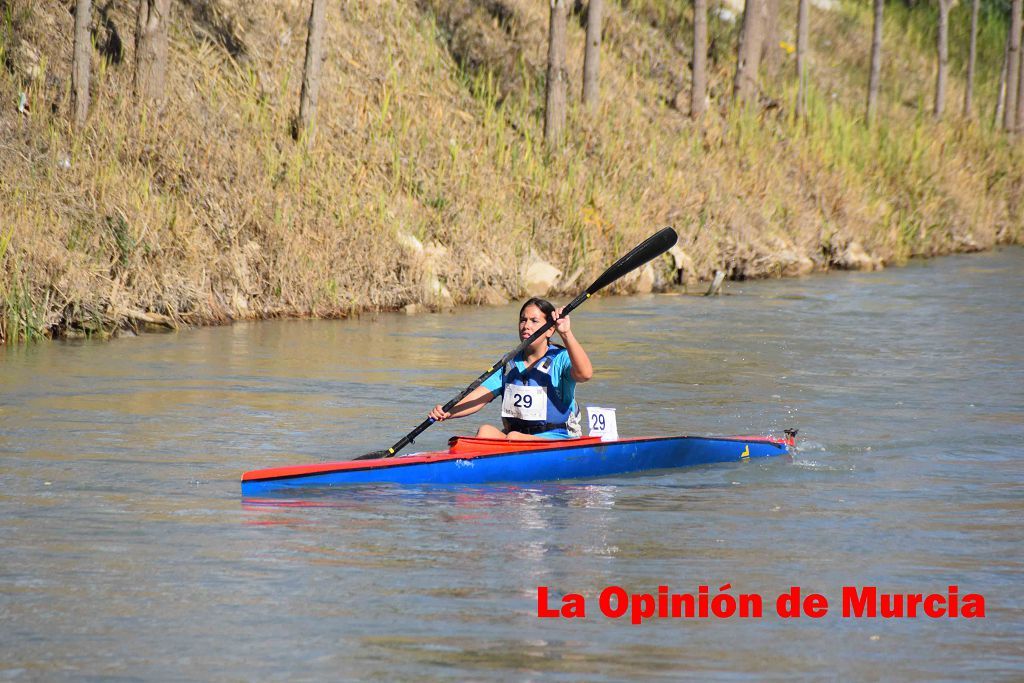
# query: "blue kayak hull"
{"points": [[551, 461]]}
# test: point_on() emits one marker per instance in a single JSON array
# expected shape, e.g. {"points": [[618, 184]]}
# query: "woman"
{"points": [[538, 388]]}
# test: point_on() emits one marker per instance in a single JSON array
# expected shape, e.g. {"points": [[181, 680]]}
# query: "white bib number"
{"points": [[601, 422], [524, 403]]}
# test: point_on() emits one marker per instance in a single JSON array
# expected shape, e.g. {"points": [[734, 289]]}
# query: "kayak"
{"points": [[470, 460]]}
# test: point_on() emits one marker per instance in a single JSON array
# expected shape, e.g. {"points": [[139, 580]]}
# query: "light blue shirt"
{"points": [[562, 383]]}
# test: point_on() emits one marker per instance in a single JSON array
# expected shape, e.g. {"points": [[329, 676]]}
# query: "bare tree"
{"points": [[1019, 114], [876, 63], [592, 54], [943, 57], [311, 72], [972, 58], [801, 58], [1013, 65], [744, 87], [698, 91], [554, 115], [997, 120], [151, 49], [80, 62]]}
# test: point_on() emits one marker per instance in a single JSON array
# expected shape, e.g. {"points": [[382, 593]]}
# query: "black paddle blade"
{"points": [[655, 245], [375, 455]]}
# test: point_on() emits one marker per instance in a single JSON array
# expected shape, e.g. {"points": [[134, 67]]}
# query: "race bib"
{"points": [[525, 403], [601, 422]]}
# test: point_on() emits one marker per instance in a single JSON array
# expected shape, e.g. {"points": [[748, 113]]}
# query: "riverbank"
{"points": [[429, 184]]}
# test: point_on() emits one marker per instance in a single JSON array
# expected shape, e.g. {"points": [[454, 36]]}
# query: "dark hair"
{"points": [[545, 306]]}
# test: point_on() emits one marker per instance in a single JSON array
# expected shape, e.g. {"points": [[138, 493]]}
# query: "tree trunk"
{"points": [[151, 49], [1013, 63], [744, 87], [972, 58], [997, 120], [592, 54], [698, 92], [81, 61], [801, 58], [554, 115], [771, 53], [876, 63], [1019, 114], [943, 57], [311, 72]]}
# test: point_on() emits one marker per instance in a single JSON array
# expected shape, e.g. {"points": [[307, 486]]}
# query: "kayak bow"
{"points": [[470, 460]]}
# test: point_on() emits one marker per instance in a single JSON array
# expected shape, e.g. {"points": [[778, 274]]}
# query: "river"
{"points": [[129, 553]]}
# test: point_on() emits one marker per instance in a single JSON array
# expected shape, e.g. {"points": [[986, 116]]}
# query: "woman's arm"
{"points": [[473, 402], [582, 370]]}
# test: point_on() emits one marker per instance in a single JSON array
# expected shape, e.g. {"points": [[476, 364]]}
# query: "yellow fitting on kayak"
{"points": [[746, 452]]}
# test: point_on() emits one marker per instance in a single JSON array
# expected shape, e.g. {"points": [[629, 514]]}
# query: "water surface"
{"points": [[128, 552]]}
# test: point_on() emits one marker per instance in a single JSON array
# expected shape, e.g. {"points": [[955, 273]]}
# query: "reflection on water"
{"points": [[128, 551]]}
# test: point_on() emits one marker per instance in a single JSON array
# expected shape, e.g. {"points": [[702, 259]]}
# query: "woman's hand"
{"points": [[561, 324], [438, 414]]}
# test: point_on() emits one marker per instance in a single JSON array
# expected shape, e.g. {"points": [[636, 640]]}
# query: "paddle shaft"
{"points": [[650, 248]]}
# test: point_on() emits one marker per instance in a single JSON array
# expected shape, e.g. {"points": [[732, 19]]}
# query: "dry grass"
{"points": [[431, 127]]}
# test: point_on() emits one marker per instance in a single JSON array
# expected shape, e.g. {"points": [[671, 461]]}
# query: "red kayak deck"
{"points": [[459, 448]]}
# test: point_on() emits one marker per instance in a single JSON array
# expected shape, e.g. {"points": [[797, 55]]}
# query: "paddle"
{"points": [[655, 245]]}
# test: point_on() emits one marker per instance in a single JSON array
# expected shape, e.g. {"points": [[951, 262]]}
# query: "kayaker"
{"points": [[538, 388]]}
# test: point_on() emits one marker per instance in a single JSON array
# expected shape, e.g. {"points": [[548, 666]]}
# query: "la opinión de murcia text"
{"points": [[856, 602]]}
